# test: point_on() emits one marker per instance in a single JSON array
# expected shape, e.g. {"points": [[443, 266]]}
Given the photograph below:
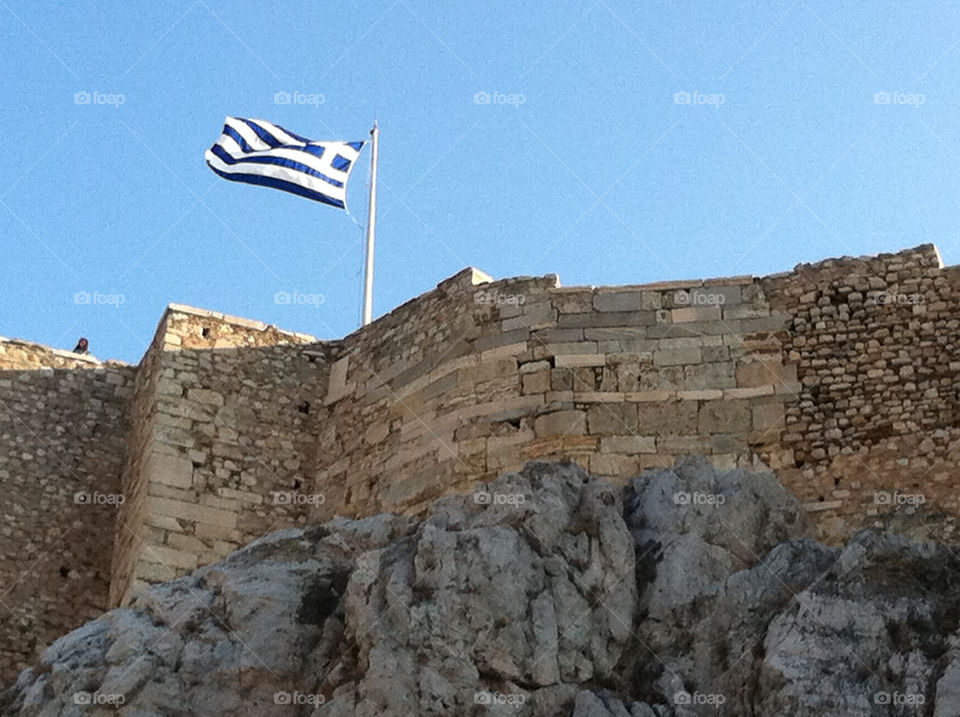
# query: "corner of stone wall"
{"points": [[224, 422]]}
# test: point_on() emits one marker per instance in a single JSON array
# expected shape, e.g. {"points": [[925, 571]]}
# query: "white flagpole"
{"points": [[371, 229]]}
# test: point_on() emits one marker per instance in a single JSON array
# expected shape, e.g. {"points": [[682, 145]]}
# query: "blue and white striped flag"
{"points": [[259, 152]]}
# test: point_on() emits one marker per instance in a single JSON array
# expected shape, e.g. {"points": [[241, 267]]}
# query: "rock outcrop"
{"points": [[547, 592]]}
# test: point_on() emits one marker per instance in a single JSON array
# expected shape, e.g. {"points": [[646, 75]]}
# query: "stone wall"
{"points": [[225, 432], [842, 376], [478, 377], [875, 429], [63, 420]]}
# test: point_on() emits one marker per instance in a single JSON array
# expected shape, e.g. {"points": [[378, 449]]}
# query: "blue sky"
{"points": [[608, 141]]}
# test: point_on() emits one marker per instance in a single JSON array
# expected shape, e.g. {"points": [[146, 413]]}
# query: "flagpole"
{"points": [[371, 229]]}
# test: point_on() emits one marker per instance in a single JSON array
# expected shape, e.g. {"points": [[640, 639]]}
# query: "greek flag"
{"points": [[259, 152]]}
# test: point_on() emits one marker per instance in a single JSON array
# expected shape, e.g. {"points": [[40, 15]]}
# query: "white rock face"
{"points": [[690, 592]]}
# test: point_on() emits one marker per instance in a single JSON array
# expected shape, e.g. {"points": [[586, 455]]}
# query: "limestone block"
{"points": [[684, 444], [628, 444], [724, 417], [534, 315], [610, 464], [695, 313], [538, 382], [337, 386], [534, 366], [616, 418], [580, 360], [171, 470], [677, 357], [618, 301], [191, 511], [734, 393], [596, 319], [561, 423], [168, 556], [768, 416], [676, 417]]}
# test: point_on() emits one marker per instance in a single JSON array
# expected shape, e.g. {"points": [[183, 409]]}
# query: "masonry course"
{"points": [[843, 376]]}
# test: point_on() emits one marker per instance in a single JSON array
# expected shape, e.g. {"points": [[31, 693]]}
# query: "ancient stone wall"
{"points": [[842, 376], [63, 420], [225, 432], [478, 377], [875, 429]]}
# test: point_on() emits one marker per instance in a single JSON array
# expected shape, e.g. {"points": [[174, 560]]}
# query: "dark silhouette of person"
{"points": [[82, 347]]}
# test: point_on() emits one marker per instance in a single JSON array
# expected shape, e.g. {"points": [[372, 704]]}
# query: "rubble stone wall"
{"points": [[875, 429], [63, 421]]}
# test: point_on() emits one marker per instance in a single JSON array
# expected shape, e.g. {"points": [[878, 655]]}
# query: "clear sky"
{"points": [[607, 141]]}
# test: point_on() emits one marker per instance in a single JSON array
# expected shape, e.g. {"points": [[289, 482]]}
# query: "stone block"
{"points": [[609, 464], [675, 417], [561, 423], [768, 416], [534, 366], [538, 382], [171, 470], [573, 300], [695, 313], [534, 315], [168, 556], [683, 445], [628, 445], [191, 511], [580, 360], [612, 419], [561, 379], [709, 375], [596, 319], [606, 301], [677, 357], [724, 417], [736, 393]]}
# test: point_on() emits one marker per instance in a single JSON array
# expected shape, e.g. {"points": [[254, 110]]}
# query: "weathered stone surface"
{"points": [[692, 591], [483, 596]]}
